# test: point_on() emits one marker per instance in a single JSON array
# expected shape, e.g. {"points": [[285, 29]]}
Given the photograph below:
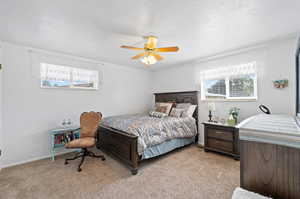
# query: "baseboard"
{"points": [[34, 159]]}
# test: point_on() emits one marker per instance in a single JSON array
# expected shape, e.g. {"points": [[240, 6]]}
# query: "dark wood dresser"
{"points": [[270, 169], [222, 139], [270, 155]]}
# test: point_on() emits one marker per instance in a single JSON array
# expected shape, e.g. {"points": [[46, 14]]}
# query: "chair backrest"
{"points": [[89, 122]]}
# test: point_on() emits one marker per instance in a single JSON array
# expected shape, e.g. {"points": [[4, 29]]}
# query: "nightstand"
{"points": [[221, 138]]}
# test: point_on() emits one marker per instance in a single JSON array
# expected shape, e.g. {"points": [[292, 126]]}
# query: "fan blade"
{"points": [[157, 57], [151, 43], [167, 49], [139, 55], [132, 48]]}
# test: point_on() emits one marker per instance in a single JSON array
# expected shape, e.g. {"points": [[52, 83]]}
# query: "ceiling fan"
{"points": [[150, 54]]}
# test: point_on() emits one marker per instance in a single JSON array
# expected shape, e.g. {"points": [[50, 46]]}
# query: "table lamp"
{"points": [[211, 107]]}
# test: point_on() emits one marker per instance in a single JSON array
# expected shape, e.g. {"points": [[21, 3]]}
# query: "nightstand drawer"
{"points": [[220, 145], [216, 133]]}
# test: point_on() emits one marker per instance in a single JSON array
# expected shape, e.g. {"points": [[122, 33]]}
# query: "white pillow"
{"points": [[190, 111], [176, 112], [183, 105]]}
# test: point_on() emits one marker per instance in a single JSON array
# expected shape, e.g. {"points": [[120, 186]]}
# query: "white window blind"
{"points": [[84, 78], [84, 75], [229, 71], [55, 72], [231, 82]]}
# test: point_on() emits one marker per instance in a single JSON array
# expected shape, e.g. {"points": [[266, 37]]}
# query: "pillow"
{"points": [[184, 106], [161, 109], [173, 103], [168, 105], [190, 111], [157, 114], [176, 112]]}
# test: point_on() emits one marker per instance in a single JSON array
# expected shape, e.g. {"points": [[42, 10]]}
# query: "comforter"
{"points": [[150, 130]]}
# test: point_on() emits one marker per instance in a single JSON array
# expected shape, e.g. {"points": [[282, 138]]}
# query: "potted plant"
{"points": [[233, 115]]}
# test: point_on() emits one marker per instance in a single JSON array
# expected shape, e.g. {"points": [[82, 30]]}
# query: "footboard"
{"points": [[120, 144]]}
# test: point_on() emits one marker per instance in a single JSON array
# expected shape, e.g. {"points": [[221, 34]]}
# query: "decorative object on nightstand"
{"points": [[61, 136], [66, 123], [233, 116], [211, 108], [221, 138]]}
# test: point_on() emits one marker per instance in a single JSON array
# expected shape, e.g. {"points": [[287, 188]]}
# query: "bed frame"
{"points": [[124, 146]]}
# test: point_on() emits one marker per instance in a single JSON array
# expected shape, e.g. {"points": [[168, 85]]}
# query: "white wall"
{"points": [[1, 136], [275, 60], [29, 111]]}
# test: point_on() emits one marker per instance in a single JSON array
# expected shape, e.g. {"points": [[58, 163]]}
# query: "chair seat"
{"points": [[82, 143]]}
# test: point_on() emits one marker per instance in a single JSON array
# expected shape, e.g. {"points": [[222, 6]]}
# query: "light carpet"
{"points": [[185, 173]]}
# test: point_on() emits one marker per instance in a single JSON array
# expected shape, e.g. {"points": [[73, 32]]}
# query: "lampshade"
{"points": [[211, 106]]}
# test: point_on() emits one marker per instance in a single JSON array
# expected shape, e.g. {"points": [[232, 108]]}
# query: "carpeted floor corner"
{"points": [[186, 173]]}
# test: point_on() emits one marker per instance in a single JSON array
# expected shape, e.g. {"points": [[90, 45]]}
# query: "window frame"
{"points": [[72, 87], [227, 87]]}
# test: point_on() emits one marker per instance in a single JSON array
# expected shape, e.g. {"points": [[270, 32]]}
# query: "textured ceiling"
{"points": [[95, 29]]}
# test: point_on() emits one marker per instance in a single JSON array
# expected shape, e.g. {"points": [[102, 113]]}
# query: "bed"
{"points": [[143, 141]]}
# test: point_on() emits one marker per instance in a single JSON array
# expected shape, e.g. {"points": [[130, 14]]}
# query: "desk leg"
{"points": [[52, 154]]}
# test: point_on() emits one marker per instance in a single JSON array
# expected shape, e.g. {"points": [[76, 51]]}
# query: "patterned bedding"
{"points": [[150, 130]]}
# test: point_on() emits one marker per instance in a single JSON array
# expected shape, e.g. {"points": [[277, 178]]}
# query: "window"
{"points": [[56, 76], [242, 86], [230, 83], [215, 89]]}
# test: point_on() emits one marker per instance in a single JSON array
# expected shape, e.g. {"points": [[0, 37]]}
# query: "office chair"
{"points": [[89, 122]]}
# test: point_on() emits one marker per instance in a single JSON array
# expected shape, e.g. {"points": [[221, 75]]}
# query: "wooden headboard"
{"points": [[180, 97]]}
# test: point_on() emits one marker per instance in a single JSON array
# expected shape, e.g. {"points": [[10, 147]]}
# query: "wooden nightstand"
{"points": [[221, 138]]}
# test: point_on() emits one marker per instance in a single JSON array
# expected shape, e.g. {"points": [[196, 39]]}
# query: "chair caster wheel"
{"points": [[103, 159], [79, 169], [66, 162]]}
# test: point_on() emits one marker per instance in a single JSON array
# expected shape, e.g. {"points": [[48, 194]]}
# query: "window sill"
{"points": [[69, 88], [229, 100]]}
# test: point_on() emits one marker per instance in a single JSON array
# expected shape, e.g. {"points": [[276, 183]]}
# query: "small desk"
{"points": [[61, 136], [221, 138]]}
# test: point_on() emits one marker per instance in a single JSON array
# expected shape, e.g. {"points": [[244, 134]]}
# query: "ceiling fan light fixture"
{"points": [[151, 53], [149, 60]]}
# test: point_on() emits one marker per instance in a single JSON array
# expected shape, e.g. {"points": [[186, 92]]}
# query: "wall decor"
{"points": [[282, 83]]}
